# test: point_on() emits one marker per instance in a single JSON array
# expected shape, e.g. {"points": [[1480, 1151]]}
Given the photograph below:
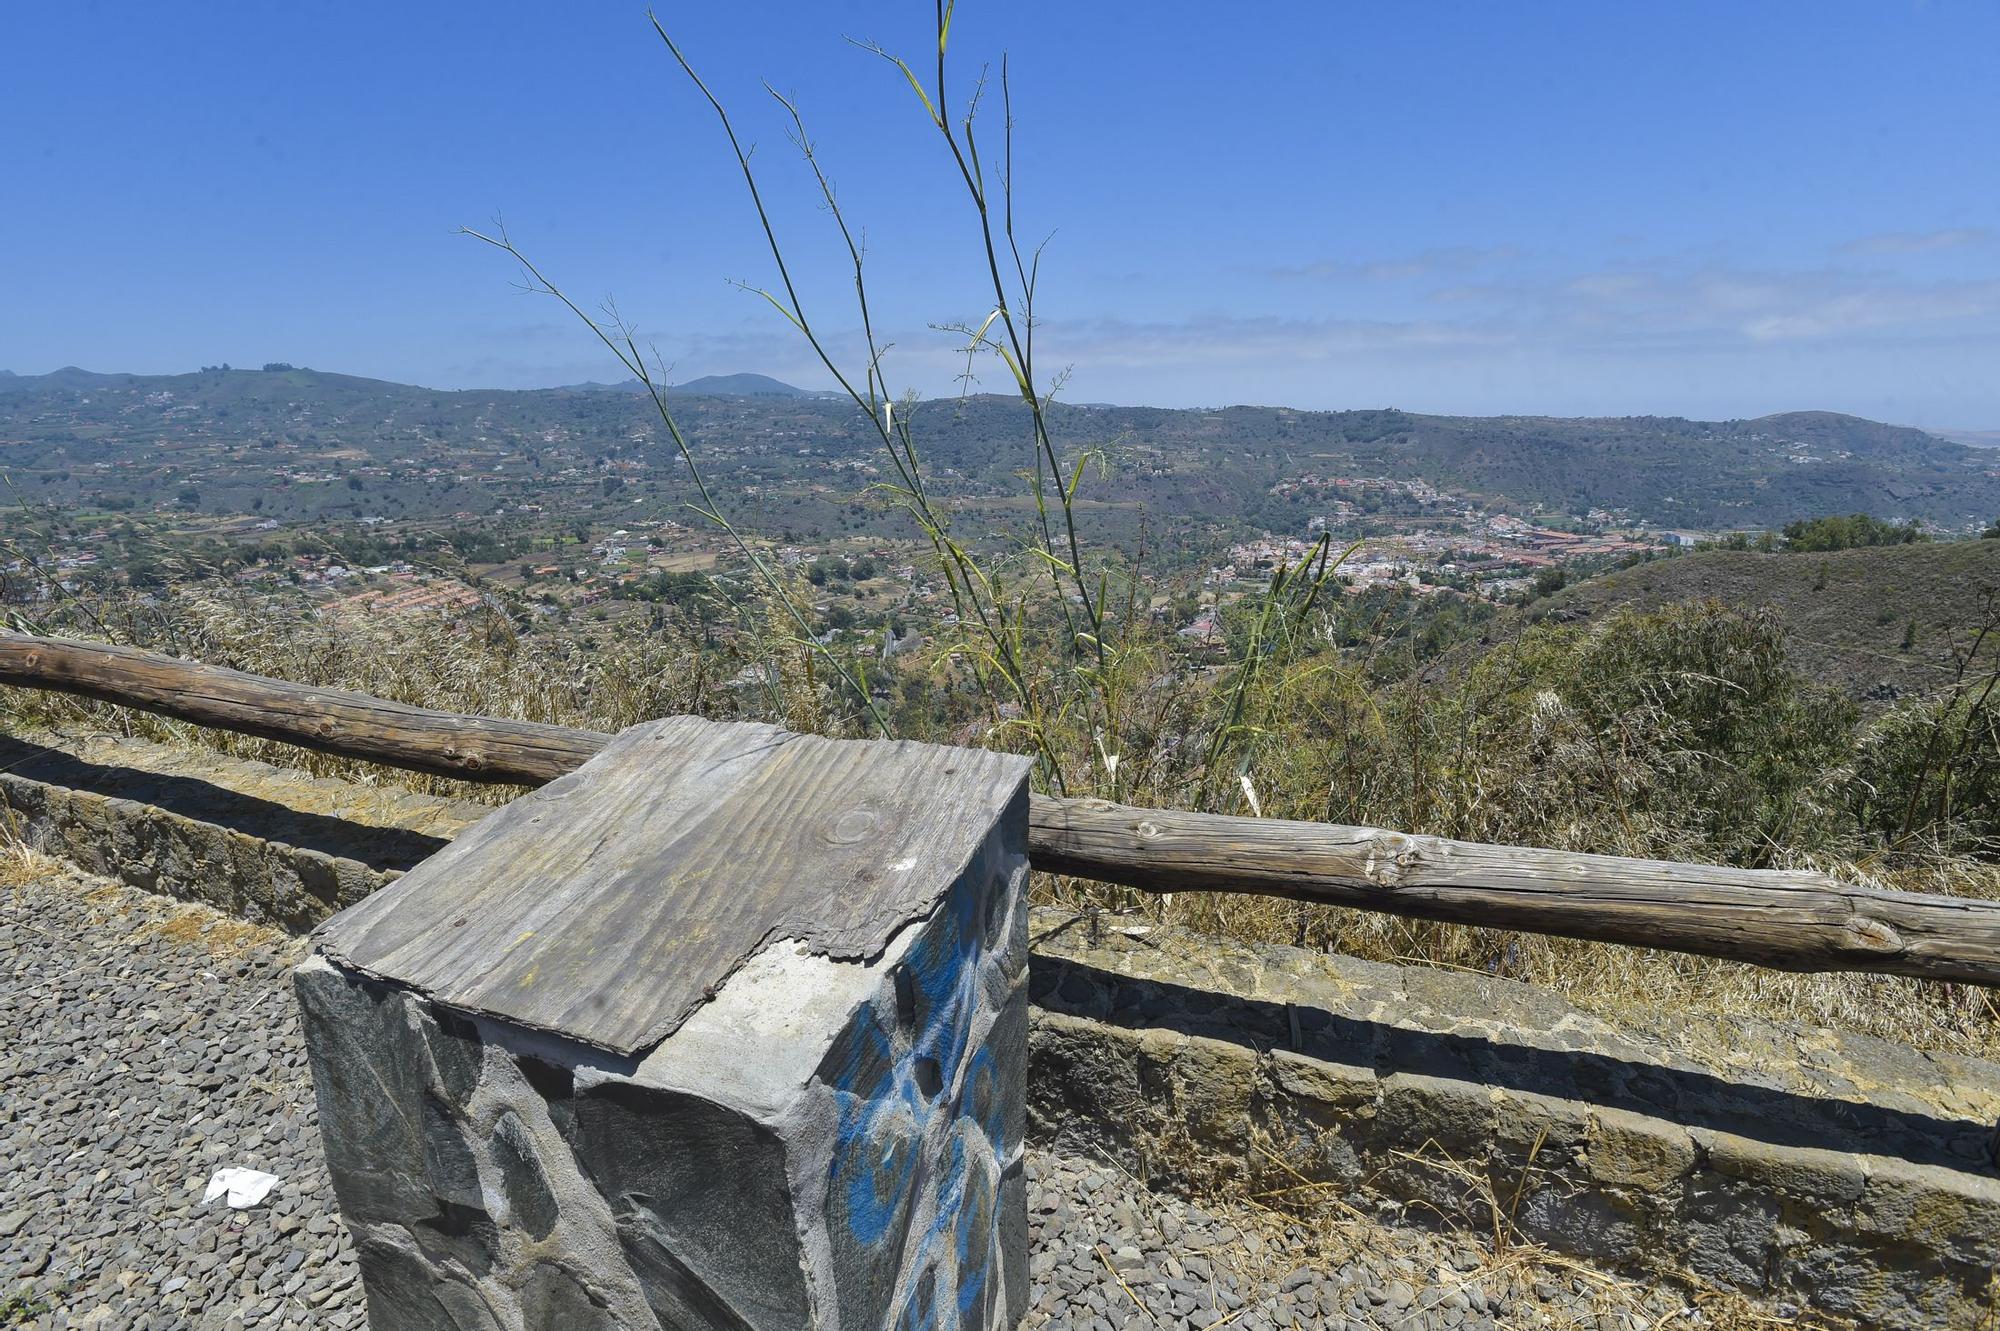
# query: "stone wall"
{"points": [[269, 845], [1852, 1175], [1849, 1174]]}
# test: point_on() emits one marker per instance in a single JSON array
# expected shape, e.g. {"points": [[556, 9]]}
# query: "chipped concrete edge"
{"points": [[1873, 1238]]}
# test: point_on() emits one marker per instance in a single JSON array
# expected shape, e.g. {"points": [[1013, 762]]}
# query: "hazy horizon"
{"points": [[1958, 427]]}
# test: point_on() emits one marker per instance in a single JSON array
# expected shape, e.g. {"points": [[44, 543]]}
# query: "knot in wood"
{"points": [[853, 826], [1390, 857], [1864, 933]]}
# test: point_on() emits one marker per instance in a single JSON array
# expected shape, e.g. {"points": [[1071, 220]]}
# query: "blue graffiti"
{"points": [[889, 1106], [977, 1245], [877, 1156]]}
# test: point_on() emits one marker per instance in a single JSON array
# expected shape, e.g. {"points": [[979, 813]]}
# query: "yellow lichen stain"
{"points": [[520, 938], [217, 934]]}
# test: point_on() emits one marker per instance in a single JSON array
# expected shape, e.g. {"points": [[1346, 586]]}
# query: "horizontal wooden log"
{"points": [[351, 725], [1786, 920]]}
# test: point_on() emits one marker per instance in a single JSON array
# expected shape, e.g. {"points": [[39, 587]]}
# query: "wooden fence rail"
{"points": [[1788, 920]]}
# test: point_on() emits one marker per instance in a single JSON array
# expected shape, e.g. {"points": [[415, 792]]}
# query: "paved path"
{"points": [[145, 1043]]}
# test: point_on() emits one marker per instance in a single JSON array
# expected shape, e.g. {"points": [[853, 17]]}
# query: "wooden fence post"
{"points": [[725, 1029]]}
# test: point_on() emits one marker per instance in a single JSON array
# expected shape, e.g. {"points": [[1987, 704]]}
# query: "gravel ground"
{"points": [[145, 1043]]}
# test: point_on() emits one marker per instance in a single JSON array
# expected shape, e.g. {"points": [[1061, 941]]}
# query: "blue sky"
{"points": [[1710, 210]]}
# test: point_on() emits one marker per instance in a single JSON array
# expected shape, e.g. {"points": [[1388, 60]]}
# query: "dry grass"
{"points": [[139, 918], [20, 864], [479, 666], [221, 936], [1605, 979], [1507, 770]]}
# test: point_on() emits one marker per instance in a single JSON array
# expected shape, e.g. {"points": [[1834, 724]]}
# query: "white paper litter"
{"points": [[242, 1188]]}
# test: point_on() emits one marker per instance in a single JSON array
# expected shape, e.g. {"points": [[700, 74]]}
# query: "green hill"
{"points": [[1877, 623], [741, 385], [234, 434]]}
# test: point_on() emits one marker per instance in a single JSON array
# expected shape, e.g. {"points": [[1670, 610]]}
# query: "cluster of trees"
{"points": [[1849, 531], [681, 589], [859, 569], [1815, 535]]}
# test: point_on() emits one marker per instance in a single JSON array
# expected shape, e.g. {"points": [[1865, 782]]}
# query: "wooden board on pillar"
{"points": [[607, 905]]}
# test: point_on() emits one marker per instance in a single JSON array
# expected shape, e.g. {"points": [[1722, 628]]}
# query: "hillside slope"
{"points": [[1849, 612], [234, 434]]}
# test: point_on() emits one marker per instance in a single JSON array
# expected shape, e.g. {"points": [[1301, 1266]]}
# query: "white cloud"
{"points": [[1114, 342], [1919, 242], [1714, 306], [1489, 331], [1675, 335]]}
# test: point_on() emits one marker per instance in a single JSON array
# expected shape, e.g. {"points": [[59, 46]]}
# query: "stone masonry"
{"points": [[1842, 1172], [263, 843], [824, 1142]]}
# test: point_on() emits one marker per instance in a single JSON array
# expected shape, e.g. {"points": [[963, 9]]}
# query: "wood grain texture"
{"points": [[609, 904], [1791, 921], [354, 725], [1785, 920]]}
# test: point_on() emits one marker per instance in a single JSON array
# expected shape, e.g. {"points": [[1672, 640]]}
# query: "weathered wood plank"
{"points": [[1789, 921], [353, 725], [1785, 920], [607, 905]]}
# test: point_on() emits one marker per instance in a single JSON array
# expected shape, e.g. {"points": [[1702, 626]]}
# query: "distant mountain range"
{"points": [[1271, 468], [708, 385], [713, 385]]}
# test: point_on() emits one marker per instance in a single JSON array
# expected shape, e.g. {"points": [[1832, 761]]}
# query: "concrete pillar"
{"points": [[725, 1030]]}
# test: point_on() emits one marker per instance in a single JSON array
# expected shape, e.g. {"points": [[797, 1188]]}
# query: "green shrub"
{"points": [[1930, 770]]}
